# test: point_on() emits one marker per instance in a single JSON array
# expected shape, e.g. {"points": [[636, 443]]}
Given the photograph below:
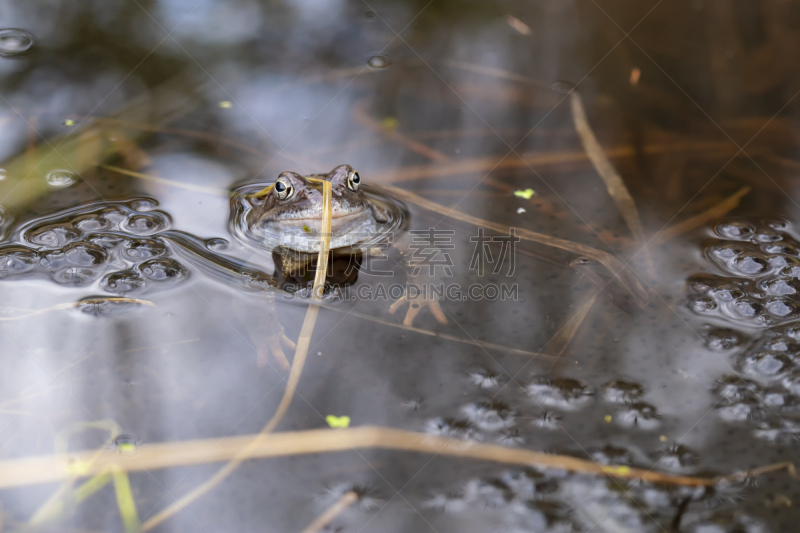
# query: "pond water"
{"points": [[591, 250]]}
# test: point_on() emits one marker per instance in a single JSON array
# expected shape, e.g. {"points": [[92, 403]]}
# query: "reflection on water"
{"points": [[140, 310]]}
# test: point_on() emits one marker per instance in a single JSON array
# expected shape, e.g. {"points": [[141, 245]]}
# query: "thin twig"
{"points": [[332, 512]]}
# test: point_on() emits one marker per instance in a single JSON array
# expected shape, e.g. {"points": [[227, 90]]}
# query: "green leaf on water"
{"points": [[338, 421]]}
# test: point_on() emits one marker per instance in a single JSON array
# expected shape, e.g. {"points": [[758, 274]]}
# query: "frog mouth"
{"points": [[303, 234]]}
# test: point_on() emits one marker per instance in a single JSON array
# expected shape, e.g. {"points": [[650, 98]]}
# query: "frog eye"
{"points": [[353, 180], [283, 189]]}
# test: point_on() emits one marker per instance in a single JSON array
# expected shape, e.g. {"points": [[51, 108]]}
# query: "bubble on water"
{"points": [[612, 455], [642, 415], [736, 388], [123, 282], [791, 382], [490, 415], [735, 229], [106, 241], [2, 174], [725, 294], [783, 344], [781, 286], [778, 431], [143, 204], [490, 493], [77, 276], [676, 457], [780, 248], [16, 260], [702, 304], [447, 503], [92, 223], [485, 379], [722, 339], [99, 306], [60, 179], [750, 264], [125, 443], [792, 271], [379, 61], [547, 420], [450, 427], [766, 364], [563, 393], [781, 307], [510, 437], [781, 400], [143, 249], [740, 411], [766, 235], [143, 224], [162, 270], [84, 254], [15, 42], [217, 245], [747, 308], [53, 235], [562, 86], [52, 259], [622, 392], [726, 251]]}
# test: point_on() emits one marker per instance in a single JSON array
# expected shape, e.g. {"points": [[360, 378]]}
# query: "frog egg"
{"points": [[379, 61], [60, 179], [735, 229], [14, 42]]}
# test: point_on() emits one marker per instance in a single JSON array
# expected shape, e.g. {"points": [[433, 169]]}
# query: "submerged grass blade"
{"points": [[171, 183], [564, 336], [125, 501], [617, 268], [70, 305], [332, 512], [45, 469], [303, 343]]}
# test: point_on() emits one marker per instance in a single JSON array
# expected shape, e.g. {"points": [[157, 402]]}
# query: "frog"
{"points": [[290, 217]]}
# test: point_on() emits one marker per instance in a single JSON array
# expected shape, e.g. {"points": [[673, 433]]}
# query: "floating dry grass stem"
{"points": [[617, 268], [330, 514], [303, 343], [359, 112], [50, 468], [721, 209]]}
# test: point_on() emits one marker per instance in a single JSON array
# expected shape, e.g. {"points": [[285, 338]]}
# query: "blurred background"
{"points": [[645, 151]]}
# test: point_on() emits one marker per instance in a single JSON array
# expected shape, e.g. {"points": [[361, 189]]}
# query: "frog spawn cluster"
{"points": [[760, 290], [113, 242], [550, 501], [761, 286], [493, 420]]}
